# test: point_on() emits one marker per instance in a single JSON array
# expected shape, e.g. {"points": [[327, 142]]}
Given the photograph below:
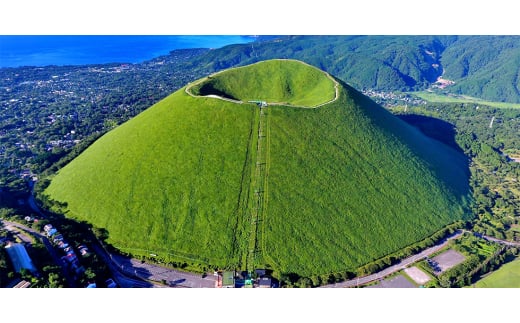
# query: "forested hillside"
{"points": [[485, 67], [381, 62], [481, 66]]}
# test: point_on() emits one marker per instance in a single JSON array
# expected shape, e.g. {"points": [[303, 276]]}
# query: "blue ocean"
{"points": [[78, 50]]}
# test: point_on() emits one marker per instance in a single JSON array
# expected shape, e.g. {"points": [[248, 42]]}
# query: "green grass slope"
{"points": [[166, 182], [349, 183], [341, 184]]}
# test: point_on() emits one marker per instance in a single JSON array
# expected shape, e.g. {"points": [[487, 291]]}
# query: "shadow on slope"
{"points": [[208, 88], [434, 128], [432, 140]]}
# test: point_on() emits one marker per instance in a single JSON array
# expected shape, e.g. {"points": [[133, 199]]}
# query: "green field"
{"points": [[507, 276], [305, 191], [435, 97]]}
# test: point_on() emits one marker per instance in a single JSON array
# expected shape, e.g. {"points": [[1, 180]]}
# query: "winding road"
{"points": [[488, 238], [410, 260], [154, 273]]}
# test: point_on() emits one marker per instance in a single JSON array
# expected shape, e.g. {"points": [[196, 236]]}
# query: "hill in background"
{"points": [[212, 183], [480, 66]]}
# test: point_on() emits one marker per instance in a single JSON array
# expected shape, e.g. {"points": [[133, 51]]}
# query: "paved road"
{"points": [[397, 267], [34, 206], [504, 242], [32, 202], [20, 234], [410, 260], [175, 278], [122, 279], [157, 273]]}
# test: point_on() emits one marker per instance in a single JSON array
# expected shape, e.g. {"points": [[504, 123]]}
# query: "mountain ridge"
{"points": [[198, 180], [393, 63]]}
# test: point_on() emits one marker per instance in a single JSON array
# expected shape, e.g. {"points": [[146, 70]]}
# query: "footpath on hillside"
{"points": [[255, 211], [258, 186]]}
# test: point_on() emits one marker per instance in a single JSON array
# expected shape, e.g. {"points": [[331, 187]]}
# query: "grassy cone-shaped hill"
{"points": [[326, 182]]}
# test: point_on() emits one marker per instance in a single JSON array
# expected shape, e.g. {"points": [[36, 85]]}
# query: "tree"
{"points": [[316, 281], [445, 281], [25, 274], [55, 281], [88, 277], [285, 281], [304, 282]]}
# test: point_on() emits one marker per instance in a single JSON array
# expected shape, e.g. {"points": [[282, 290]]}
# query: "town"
{"points": [[47, 111]]}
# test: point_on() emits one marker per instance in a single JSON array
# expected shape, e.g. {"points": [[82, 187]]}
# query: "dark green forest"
{"points": [[481, 66], [489, 138]]}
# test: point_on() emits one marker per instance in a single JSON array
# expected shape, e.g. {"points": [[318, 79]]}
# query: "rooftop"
{"points": [[264, 282], [228, 278], [19, 257]]}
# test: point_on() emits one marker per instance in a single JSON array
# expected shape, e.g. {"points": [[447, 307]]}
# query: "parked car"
{"points": [[63, 246], [57, 238], [111, 283]]}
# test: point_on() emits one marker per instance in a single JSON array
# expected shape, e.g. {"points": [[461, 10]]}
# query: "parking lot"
{"points": [[447, 260], [419, 276], [395, 282]]}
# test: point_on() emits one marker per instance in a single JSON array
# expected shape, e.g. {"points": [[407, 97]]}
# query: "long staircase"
{"points": [[258, 185]]}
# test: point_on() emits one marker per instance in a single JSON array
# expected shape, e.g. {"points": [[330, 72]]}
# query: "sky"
{"points": [[259, 17]]}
